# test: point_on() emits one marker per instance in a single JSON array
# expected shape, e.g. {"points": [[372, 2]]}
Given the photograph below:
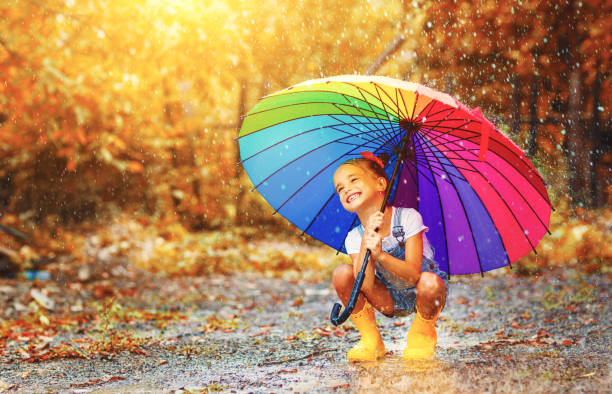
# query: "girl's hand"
{"points": [[373, 241], [374, 222]]}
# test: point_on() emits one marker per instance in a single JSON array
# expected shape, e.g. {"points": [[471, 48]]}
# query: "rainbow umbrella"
{"points": [[483, 201]]}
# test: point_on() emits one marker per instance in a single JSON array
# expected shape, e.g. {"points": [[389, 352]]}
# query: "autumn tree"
{"points": [[544, 64]]}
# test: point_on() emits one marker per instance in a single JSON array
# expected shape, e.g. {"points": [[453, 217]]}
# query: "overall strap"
{"points": [[398, 230]]}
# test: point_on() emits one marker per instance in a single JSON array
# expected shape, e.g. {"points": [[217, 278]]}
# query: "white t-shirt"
{"points": [[412, 222]]}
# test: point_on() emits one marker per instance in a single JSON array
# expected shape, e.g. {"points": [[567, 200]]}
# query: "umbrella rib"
{"points": [[429, 106], [419, 171], [404, 102], [397, 98], [453, 128], [462, 119], [352, 116], [440, 172], [511, 212], [439, 112], [312, 150], [415, 180], [360, 90], [353, 144], [353, 126], [344, 240], [507, 180], [462, 168], [309, 180], [531, 170], [318, 213], [395, 137], [396, 102], [299, 134], [376, 86]]}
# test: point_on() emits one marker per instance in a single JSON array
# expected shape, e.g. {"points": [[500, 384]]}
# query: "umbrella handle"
{"points": [[338, 318], [335, 317]]}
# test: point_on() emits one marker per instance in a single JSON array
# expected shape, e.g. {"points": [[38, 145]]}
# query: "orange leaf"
{"points": [[71, 165], [135, 166]]}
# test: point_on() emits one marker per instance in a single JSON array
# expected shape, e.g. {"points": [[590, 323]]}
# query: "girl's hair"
{"points": [[370, 165]]}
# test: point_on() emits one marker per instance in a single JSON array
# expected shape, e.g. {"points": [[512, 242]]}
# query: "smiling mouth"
{"points": [[352, 197]]}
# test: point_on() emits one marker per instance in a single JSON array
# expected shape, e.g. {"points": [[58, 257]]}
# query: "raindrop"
{"points": [[337, 229], [460, 238]]}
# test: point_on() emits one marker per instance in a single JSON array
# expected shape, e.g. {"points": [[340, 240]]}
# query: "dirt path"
{"points": [[248, 333]]}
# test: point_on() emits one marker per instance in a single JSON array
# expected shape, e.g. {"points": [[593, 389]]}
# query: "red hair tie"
{"points": [[370, 156]]}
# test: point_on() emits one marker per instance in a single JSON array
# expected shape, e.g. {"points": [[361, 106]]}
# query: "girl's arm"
{"points": [[409, 269]]}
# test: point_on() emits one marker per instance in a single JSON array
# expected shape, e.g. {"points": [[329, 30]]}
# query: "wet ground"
{"points": [[251, 333]]}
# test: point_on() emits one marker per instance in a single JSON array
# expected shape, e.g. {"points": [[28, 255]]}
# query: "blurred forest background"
{"points": [[118, 118]]}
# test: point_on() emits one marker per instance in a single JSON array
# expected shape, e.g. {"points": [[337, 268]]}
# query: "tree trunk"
{"points": [[533, 114], [240, 217], [517, 98], [596, 194], [578, 153]]}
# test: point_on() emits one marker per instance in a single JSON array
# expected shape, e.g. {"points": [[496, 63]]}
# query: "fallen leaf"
{"points": [[6, 386], [42, 299], [260, 334], [461, 301]]}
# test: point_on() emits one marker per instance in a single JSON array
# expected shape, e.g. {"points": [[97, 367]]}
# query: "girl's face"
{"points": [[358, 187]]}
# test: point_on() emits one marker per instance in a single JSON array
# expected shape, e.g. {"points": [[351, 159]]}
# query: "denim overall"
{"points": [[403, 293]]}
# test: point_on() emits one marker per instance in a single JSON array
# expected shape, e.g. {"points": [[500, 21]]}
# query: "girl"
{"points": [[401, 276]]}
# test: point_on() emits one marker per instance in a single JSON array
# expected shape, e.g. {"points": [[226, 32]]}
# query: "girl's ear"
{"points": [[382, 182]]}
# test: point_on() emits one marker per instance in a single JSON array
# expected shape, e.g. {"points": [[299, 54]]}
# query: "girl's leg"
{"points": [[422, 337], [378, 297], [371, 346], [431, 295]]}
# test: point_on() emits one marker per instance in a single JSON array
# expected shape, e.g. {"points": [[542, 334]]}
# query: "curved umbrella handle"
{"points": [[337, 318]]}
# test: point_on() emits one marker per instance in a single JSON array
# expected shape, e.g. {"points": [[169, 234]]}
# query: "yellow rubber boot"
{"points": [[422, 338], [371, 346]]}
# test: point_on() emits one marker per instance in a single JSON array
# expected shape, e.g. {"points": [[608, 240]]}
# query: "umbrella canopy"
{"points": [[483, 201]]}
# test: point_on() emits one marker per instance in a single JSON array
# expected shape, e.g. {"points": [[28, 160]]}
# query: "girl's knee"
{"points": [[430, 284], [343, 276]]}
